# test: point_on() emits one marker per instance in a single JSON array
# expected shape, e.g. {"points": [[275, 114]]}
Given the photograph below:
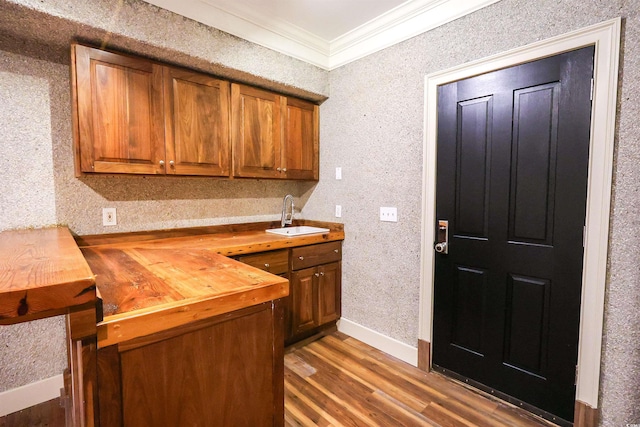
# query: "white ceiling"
{"points": [[326, 33]]}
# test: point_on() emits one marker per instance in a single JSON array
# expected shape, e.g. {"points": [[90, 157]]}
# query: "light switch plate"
{"points": [[338, 211], [338, 173], [109, 217], [388, 214]]}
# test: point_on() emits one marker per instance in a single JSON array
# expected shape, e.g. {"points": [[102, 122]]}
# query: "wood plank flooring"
{"points": [[339, 381], [46, 414]]}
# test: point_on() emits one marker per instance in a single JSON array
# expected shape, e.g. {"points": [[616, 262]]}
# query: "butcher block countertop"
{"points": [[154, 281], [42, 273]]}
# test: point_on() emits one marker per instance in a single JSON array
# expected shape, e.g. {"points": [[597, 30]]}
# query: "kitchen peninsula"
{"points": [[186, 335]]}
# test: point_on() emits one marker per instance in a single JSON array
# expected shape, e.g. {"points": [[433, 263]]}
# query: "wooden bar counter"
{"points": [[42, 273], [188, 335]]}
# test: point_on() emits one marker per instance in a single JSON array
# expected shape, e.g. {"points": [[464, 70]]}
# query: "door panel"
{"points": [[513, 149], [468, 315], [256, 132], [119, 101], [197, 132], [301, 139], [305, 315], [328, 292], [535, 122], [527, 329], [472, 167]]}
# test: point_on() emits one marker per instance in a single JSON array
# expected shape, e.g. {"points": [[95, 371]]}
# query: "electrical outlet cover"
{"points": [[109, 217], [389, 214]]}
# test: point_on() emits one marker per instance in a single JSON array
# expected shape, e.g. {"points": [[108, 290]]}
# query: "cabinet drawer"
{"points": [[275, 262], [308, 256]]}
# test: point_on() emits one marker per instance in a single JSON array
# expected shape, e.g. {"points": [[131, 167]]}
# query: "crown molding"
{"points": [[401, 23]]}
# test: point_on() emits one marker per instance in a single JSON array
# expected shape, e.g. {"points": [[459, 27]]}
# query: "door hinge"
{"points": [[591, 94], [576, 381]]}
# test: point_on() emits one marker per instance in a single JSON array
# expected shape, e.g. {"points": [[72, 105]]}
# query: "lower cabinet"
{"points": [[315, 289], [223, 371], [315, 297], [315, 285]]}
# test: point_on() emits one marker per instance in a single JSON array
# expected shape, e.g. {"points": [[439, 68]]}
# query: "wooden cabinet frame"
{"points": [[315, 286], [273, 136], [117, 112], [135, 116]]}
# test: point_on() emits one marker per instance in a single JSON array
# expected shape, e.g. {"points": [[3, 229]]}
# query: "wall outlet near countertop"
{"points": [[338, 211], [109, 217]]}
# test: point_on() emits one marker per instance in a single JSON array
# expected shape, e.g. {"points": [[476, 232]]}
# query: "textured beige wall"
{"points": [[28, 88], [139, 27], [36, 154], [372, 126]]}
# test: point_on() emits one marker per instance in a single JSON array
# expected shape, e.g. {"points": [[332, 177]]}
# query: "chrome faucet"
{"points": [[287, 214]]}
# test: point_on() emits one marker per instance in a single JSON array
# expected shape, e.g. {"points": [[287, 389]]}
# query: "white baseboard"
{"points": [[20, 398], [375, 339]]}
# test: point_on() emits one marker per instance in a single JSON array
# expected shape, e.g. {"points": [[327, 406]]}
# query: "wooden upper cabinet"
{"points": [[197, 123], [301, 140], [136, 116], [256, 132], [273, 136], [119, 117]]}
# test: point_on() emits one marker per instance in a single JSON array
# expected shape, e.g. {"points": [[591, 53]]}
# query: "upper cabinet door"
{"points": [[118, 100], [301, 140], [197, 123], [256, 132]]}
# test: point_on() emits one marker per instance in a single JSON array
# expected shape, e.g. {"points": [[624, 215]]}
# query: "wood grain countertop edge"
{"points": [[43, 273], [127, 326]]}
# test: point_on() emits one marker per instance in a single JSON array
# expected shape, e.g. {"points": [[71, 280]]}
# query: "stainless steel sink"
{"points": [[297, 231]]}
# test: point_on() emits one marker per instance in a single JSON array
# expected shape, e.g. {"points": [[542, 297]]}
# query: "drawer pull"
{"points": [[266, 265], [301, 258], [322, 273], [336, 251], [317, 275]]}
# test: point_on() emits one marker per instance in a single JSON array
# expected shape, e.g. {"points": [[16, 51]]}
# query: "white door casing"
{"points": [[606, 38]]}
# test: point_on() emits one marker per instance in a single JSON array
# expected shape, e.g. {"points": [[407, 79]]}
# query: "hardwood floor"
{"points": [[339, 381], [46, 414]]}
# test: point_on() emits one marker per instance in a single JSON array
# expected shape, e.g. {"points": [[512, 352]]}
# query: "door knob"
{"points": [[442, 240], [441, 247]]}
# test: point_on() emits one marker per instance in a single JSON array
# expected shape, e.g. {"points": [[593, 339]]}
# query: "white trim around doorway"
{"points": [[606, 38]]}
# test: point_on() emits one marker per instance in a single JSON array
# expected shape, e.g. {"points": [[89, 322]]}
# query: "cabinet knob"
{"points": [[278, 169], [161, 162], [284, 170], [316, 274], [336, 250], [322, 273], [266, 265], [301, 258], [171, 163]]}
